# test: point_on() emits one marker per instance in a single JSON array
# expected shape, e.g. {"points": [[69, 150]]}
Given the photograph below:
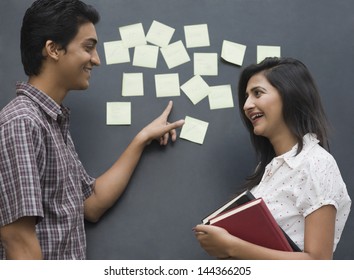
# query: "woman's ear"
{"points": [[52, 50]]}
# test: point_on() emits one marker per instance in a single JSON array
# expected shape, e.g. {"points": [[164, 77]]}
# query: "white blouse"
{"points": [[295, 186]]}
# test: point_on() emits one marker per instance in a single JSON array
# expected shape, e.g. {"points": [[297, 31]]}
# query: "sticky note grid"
{"points": [[159, 43]]}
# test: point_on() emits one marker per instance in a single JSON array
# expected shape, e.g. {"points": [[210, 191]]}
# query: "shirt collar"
{"points": [[48, 105], [293, 160]]}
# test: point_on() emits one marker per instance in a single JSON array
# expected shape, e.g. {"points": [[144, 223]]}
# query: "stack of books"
{"points": [[250, 219]]}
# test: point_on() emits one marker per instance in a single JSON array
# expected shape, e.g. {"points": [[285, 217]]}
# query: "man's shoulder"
{"points": [[19, 108]]}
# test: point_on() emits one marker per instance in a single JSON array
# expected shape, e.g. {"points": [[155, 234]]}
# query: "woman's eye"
{"points": [[257, 93]]}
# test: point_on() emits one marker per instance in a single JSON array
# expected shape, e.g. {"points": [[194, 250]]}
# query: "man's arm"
{"points": [[110, 185], [20, 241]]}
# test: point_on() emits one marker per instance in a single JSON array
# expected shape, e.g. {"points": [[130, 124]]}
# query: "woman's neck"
{"points": [[283, 143]]}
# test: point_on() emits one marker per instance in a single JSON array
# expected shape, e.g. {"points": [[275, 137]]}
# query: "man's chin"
{"points": [[82, 86]]}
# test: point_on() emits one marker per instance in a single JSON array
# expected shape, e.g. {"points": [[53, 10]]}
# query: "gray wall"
{"points": [[174, 187]]}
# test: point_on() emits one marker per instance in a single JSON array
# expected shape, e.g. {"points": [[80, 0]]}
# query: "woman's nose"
{"points": [[249, 104]]}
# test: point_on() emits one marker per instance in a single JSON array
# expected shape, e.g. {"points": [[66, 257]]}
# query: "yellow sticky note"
{"points": [[175, 54], [133, 84], [116, 52], [167, 85], [197, 35], [267, 51], [146, 56], [220, 97], [196, 89], [118, 113], [194, 130], [233, 52], [132, 35], [206, 64], [159, 34]]}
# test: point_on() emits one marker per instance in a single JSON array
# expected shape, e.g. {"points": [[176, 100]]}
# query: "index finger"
{"points": [[168, 109]]}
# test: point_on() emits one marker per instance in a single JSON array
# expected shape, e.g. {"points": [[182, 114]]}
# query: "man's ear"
{"points": [[51, 49]]}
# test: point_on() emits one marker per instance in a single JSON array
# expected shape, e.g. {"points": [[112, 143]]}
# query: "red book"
{"points": [[253, 222]]}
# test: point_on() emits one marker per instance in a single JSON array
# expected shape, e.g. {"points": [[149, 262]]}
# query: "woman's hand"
{"points": [[216, 241]]}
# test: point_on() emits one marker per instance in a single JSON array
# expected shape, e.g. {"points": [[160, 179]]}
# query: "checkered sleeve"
{"points": [[20, 189], [87, 182]]}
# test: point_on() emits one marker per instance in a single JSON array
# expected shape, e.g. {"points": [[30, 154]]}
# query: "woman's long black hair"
{"points": [[302, 107]]}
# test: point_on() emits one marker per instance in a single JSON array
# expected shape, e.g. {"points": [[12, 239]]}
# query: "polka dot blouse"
{"points": [[295, 186]]}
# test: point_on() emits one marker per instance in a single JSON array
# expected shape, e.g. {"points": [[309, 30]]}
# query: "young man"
{"points": [[45, 192]]}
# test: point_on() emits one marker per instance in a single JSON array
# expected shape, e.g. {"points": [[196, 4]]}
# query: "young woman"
{"points": [[296, 176]]}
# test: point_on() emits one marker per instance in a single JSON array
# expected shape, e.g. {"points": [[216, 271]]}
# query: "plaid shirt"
{"points": [[41, 174]]}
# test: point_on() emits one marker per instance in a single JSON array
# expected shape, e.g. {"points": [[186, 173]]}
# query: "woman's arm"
{"points": [[319, 239]]}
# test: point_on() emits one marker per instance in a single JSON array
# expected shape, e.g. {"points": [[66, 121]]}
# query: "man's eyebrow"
{"points": [[91, 40]]}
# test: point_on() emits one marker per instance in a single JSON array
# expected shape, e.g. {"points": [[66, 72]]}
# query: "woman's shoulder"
{"points": [[319, 156], [314, 154]]}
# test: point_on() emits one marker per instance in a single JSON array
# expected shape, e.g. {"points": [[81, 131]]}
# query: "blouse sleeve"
{"points": [[323, 186]]}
